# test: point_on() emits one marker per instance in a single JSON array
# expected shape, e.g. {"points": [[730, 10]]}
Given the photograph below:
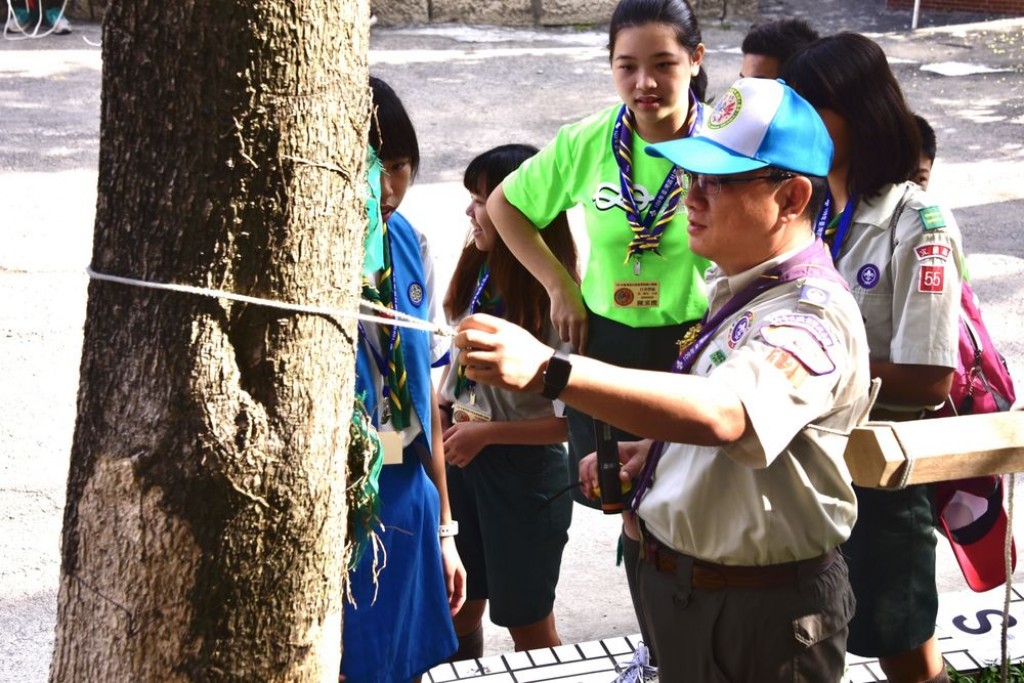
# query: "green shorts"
{"points": [[891, 555], [644, 348], [511, 535]]}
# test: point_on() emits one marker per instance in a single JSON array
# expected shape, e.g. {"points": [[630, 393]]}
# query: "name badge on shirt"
{"points": [[391, 444], [640, 294], [465, 412]]}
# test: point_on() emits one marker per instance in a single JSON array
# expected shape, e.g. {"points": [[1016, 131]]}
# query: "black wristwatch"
{"points": [[556, 376]]}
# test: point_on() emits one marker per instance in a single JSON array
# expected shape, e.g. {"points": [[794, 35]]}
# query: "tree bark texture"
{"points": [[205, 512]]}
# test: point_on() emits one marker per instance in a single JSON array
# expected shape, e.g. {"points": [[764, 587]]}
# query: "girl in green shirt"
{"points": [[642, 287]]}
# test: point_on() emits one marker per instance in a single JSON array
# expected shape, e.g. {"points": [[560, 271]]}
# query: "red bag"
{"points": [[970, 511]]}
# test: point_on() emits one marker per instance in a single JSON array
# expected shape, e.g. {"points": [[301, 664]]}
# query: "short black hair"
{"points": [[780, 39], [928, 144], [392, 135], [849, 74]]}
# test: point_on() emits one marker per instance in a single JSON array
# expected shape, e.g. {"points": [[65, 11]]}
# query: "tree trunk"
{"points": [[205, 511]]}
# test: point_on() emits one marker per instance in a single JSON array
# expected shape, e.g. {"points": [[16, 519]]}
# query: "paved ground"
{"points": [[467, 89]]}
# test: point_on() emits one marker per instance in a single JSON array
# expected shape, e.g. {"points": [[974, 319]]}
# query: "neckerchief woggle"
{"points": [[813, 258], [478, 303], [647, 230]]}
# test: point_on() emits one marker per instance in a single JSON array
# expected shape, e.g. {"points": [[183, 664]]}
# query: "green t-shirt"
{"points": [[578, 167]]}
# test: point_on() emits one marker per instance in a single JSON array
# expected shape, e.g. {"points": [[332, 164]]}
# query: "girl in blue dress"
{"points": [[401, 623]]}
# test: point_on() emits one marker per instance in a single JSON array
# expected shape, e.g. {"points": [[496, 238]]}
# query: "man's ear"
{"points": [[793, 198]]}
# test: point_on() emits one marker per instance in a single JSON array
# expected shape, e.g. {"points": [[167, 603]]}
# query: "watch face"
{"points": [[556, 376]]}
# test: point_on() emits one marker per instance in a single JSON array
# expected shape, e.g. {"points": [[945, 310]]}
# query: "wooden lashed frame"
{"points": [[882, 454]]}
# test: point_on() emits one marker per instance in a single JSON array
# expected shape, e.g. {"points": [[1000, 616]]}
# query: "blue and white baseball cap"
{"points": [[758, 122]]}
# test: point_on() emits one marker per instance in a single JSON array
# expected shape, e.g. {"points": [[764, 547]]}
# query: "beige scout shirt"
{"points": [[797, 357], [909, 295]]}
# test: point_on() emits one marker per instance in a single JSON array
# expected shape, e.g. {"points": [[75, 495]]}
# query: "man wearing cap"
{"points": [[746, 496]]}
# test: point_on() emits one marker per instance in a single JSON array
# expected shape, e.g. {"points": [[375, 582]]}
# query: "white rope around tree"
{"points": [[386, 316]]}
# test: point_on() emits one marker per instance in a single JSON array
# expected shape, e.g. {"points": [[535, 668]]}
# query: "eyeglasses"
{"points": [[711, 185]]}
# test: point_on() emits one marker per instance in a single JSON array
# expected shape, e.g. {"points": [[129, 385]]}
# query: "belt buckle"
{"points": [[711, 579]]}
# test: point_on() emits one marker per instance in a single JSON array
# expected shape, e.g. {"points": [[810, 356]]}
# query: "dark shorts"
{"points": [[510, 537], [891, 555], [644, 348], [748, 635]]}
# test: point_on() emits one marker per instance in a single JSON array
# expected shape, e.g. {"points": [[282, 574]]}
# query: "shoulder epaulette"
{"points": [[932, 218]]}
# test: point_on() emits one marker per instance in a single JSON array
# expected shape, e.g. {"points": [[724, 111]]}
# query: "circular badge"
{"points": [[416, 294], [740, 329], [813, 295], [623, 296], [867, 276], [727, 109]]}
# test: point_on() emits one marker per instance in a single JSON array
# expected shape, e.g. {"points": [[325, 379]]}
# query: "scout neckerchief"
{"points": [[811, 260], [373, 258], [481, 301], [397, 401], [837, 229], [647, 230]]}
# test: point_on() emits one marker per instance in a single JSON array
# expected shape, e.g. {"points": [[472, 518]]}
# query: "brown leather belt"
{"points": [[711, 576]]}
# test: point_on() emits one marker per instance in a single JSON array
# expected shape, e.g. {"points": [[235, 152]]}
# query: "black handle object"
{"points": [[608, 467]]}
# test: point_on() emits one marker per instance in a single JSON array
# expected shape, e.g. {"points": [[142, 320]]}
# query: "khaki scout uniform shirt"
{"points": [[797, 357], [907, 284]]}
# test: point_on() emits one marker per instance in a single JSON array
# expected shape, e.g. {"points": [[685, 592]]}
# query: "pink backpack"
{"points": [[981, 382]]}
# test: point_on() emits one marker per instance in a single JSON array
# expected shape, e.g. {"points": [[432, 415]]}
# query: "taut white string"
{"points": [[387, 315]]}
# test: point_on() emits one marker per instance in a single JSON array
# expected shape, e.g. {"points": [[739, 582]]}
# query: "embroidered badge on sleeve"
{"points": [[789, 366], [811, 323], [932, 217], [802, 344], [938, 252], [931, 279], [814, 296]]}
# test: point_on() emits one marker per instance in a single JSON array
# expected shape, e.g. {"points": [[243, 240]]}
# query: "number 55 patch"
{"points": [[932, 279]]}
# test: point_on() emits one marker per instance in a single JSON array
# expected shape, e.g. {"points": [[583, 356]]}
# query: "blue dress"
{"points": [[408, 628]]}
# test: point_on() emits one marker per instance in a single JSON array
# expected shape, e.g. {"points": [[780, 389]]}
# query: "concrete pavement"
{"points": [[467, 89]]}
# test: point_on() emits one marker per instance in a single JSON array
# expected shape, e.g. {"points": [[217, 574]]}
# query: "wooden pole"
{"points": [[939, 449]]}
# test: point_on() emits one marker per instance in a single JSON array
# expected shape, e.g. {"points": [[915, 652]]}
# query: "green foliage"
{"points": [[992, 674]]}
